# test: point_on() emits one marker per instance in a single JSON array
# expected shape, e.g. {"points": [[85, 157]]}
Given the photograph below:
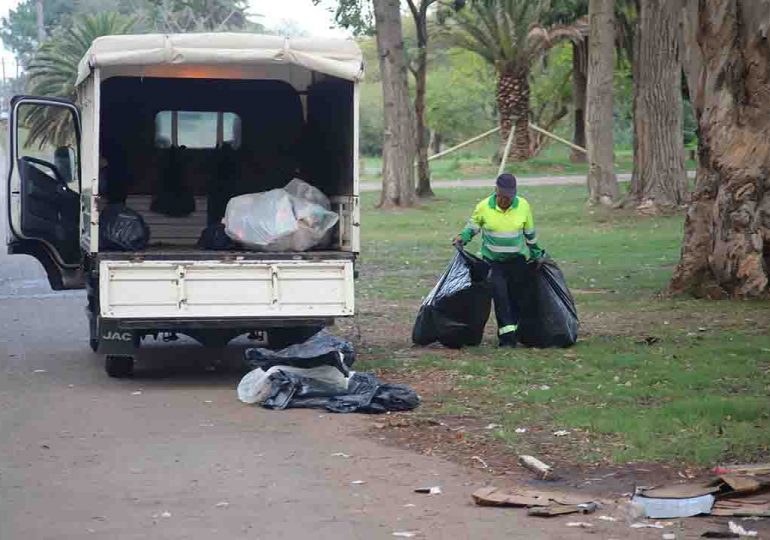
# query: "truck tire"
{"points": [[280, 338], [119, 367]]}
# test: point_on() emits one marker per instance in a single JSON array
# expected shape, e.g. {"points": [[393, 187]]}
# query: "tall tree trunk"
{"points": [[513, 106], [659, 181], [726, 247], [420, 15], [602, 183], [435, 142], [40, 20], [398, 144], [579, 82]]}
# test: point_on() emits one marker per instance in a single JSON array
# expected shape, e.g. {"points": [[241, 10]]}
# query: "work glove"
{"points": [[539, 256]]}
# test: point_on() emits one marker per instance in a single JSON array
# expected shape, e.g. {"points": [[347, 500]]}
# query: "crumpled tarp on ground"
{"points": [[315, 374], [322, 349]]}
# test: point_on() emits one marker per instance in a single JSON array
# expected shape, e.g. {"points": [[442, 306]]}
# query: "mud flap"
{"points": [[115, 340]]}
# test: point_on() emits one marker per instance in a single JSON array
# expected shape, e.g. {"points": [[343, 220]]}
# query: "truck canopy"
{"points": [[335, 57]]}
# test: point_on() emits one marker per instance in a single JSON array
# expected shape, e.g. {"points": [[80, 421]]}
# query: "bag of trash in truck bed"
{"points": [[294, 218]]}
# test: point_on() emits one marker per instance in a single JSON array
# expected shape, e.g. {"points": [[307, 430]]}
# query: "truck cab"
{"points": [[172, 127]]}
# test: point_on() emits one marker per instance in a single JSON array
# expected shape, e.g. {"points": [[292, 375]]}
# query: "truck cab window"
{"points": [[47, 140], [197, 129]]}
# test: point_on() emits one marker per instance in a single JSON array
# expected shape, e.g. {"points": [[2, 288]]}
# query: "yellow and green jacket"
{"points": [[505, 234]]}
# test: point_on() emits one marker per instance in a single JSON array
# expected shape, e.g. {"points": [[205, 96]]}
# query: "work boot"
{"points": [[507, 340]]}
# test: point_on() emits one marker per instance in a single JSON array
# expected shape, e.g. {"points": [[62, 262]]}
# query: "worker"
{"points": [[508, 241]]}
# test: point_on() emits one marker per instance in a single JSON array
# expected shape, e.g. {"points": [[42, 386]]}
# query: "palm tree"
{"points": [[54, 69], [508, 35]]}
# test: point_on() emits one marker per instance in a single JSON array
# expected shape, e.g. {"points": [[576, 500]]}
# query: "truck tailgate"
{"points": [[223, 289]]}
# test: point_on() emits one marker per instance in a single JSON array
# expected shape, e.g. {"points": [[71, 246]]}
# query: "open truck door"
{"points": [[43, 188]]}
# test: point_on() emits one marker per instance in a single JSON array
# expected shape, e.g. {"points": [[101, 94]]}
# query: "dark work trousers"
{"points": [[507, 280]]}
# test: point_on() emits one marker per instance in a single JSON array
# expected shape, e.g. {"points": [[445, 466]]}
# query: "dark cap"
{"points": [[506, 185]]}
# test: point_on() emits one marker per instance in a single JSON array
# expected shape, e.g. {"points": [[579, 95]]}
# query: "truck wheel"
{"points": [[280, 338], [119, 366]]}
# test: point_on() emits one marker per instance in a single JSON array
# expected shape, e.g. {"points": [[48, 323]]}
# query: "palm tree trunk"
{"points": [[513, 106]]}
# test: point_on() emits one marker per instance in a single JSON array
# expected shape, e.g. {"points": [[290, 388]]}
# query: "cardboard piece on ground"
{"points": [[492, 496], [743, 506], [562, 509], [681, 491], [739, 483], [754, 468]]}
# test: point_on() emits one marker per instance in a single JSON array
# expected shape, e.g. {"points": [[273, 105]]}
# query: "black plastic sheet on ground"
{"points": [[365, 394], [548, 314], [457, 309], [322, 349]]}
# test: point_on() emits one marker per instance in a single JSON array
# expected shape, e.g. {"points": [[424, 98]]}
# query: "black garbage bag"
{"points": [[214, 238], [291, 390], [122, 229], [548, 314], [323, 349], [457, 309], [366, 394]]}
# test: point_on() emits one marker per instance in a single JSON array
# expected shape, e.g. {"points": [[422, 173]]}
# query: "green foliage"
{"points": [[197, 15], [355, 15], [623, 103], [54, 68], [551, 87], [460, 97], [19, 29], [372, 122]]}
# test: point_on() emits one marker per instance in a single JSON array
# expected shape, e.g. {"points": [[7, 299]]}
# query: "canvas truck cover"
{"points": [[335, 57]]}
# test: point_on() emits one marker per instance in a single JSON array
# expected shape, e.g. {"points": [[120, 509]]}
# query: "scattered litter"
{"points": [[166, 515], [410, 505], [358, 482], [223, 504], [492, 426], [208, 401], [675, 508], [669, 536], [607, 518], [40, 371], [535, 465], [481, 461], [137, 393], [405, 534], [341, 454], [545, 387], [45, 447], [492, 496], [561, 433], [639, 525], [580, 524], [521, 430], [206, 425], [433, 490], [740, 531]]}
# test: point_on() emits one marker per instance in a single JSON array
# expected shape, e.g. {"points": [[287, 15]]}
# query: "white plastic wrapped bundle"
{"points": [[278, 220]]}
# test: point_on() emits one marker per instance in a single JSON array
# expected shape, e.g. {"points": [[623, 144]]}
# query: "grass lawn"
{"points": [[651, 379], [476, 162]]}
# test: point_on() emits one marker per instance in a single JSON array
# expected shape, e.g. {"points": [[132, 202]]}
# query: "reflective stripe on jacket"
{"points": [[505, 234]]}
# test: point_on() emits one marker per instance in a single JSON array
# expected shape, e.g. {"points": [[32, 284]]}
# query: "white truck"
{"points": [[173, 121]]}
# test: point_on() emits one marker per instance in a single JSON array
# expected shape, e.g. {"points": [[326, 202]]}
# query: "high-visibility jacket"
{"points": [[505, 234]]}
